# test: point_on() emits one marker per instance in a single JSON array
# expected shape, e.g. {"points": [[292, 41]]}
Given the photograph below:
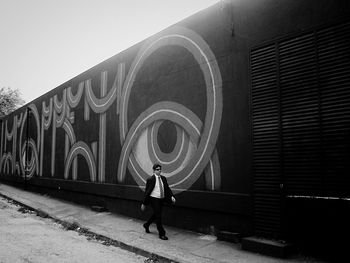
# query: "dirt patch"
{"points": [[91, 236]]}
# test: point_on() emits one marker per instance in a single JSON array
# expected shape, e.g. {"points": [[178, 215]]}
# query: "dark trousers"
{"points": [[157, 206]]}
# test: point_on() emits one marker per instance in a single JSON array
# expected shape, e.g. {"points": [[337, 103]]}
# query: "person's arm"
{"points": [[170, 193], [146, 196]]}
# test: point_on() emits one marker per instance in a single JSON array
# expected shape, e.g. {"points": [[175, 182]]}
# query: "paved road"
{"points": [[25, 237]]}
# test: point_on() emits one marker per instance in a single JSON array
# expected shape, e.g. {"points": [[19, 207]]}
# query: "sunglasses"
{"points": [[158, 169]]}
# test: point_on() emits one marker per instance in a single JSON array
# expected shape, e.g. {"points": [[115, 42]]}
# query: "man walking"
{"points": [[156, 193]]}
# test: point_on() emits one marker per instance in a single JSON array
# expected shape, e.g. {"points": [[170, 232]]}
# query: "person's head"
{"points": [[157, 168]]}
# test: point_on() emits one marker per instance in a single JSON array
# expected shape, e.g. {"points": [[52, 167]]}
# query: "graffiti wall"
{"points": [[150, 118], [160, 101]]}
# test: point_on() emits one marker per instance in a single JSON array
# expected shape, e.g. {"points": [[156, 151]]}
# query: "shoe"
{"points": [[146, 228], [163, 237]]}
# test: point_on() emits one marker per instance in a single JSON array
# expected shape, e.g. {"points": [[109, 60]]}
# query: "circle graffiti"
{"points": [[195, 140]]}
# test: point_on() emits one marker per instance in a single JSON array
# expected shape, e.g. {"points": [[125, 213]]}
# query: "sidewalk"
{"points": [[128, 233]]}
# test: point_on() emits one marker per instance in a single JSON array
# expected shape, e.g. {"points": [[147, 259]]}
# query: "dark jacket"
{"points": [[151, 182]]}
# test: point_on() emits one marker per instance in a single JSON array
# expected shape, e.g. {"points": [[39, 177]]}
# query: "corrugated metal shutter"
{"points": [[300, 115], [266, 131], [334, 72], [300, 121]]}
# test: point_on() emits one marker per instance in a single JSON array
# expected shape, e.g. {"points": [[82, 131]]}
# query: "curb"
{"points": [[92, 235]]}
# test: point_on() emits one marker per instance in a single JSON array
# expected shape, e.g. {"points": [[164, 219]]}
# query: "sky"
{"points": [[44, 43]]}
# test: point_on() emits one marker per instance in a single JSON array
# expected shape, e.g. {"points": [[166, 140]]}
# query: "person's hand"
{"points": [[173, 199], [143, 207]]}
